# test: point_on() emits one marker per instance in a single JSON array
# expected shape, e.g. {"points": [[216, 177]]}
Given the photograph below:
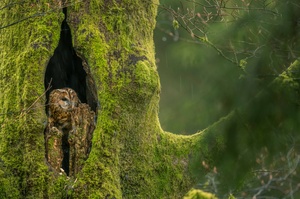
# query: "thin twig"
{"points": [[37, 99]]}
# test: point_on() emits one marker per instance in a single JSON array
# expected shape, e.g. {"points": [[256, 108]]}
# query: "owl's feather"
{"points": [[69, 131], [61, 103]]}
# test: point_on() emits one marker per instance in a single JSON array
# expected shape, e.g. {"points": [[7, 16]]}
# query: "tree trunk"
{"points": [[131, 156]]}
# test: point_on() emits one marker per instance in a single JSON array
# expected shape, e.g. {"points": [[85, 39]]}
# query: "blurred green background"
{"points": [[200, 85], [215, 56]]}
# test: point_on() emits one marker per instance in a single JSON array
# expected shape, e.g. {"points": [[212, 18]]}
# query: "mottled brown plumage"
{"points": [[69, 131], [61, 104]]}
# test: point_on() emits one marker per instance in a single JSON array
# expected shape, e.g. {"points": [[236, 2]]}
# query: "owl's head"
{"points": [[65, 98]]}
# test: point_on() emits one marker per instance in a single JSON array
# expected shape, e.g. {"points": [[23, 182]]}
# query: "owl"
{"points": [[69, 131], [62, 102]]}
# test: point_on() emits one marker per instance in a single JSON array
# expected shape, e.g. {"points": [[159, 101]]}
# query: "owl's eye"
{"points": [[64, 99]]}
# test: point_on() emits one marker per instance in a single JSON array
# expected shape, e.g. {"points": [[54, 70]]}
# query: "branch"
{"points": [[21, 20], [234, 141], [37, 99], [233, 8], [25, 111], [60, 6], [186, 23], [12, 4]]}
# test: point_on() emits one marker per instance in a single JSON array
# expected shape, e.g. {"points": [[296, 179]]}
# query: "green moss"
{"points": [[126, 159], [131, 157], [24, 56], [198, 194]]}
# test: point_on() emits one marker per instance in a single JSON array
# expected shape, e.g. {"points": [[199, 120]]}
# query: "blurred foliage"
{"points": [[276, 177], [272, 177], [214, 56]]}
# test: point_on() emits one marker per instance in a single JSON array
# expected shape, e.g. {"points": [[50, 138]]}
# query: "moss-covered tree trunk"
{"points": [[131, 156]]}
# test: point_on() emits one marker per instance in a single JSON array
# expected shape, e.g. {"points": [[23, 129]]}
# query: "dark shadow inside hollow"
{"points": [[66, 69]]}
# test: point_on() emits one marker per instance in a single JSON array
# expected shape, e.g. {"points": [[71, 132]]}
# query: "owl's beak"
{"points": [[73, 104], [65, 105]]}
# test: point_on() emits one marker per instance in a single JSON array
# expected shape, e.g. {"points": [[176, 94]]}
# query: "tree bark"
{"points": [[131, 156]]}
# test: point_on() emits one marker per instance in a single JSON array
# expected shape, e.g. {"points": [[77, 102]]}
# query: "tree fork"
{"points": [[132, 157]]}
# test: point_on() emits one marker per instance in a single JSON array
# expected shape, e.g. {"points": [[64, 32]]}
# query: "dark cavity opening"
{"points": [[66, 69]]}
